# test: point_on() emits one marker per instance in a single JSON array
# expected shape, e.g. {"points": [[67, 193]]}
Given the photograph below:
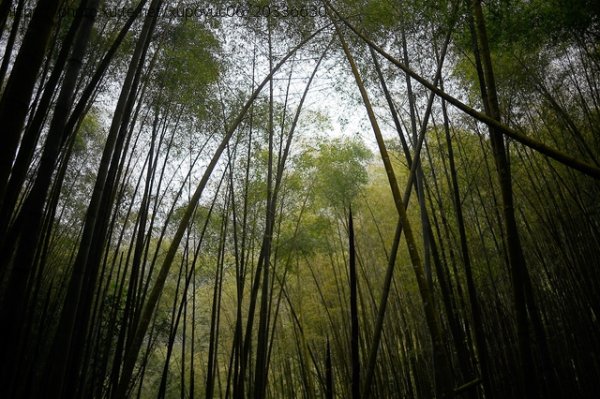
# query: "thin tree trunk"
{"points": [[154, 295], [517, 264], [565, 159], [480, 343], [329, 393], [441, 366], [354, 336], [261, 370]]}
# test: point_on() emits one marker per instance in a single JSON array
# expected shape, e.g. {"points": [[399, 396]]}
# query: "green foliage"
{"points": [[308, 239], [379, 14], [88, 132], [339, 170], [189, 64], [536, 22], [530, 42]]}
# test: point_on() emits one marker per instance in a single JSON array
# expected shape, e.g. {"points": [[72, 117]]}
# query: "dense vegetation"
{"points": [[344, 199]]}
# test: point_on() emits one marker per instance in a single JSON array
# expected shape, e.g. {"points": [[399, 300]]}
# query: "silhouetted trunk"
{"points": [[10, 42], [33, 130], [354, 334], [515, 252], [85, 267], [31, 215], [261, 369], [15, 100]]}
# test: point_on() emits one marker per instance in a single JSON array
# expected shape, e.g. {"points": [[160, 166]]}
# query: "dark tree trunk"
{"points": [[15, 100]]}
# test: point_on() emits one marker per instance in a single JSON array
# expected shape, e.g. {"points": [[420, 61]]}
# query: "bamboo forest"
{"points": [[299, 199]]}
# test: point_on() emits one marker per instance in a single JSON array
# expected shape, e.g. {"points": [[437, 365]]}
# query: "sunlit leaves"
{"points": [[340, 170]]}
